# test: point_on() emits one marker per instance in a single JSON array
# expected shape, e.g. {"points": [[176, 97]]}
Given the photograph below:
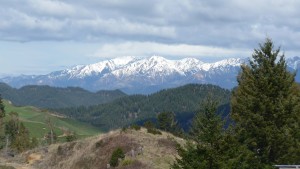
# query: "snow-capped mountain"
{"points": [[142, 75]]}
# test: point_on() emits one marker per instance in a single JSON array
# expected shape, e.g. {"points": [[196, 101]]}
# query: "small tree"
{"points": [[2, 110], [149, 124], [17, 133], [51, 135], [2, 115], [206, 150], [167, 122], [116, 155], [71, 137]]}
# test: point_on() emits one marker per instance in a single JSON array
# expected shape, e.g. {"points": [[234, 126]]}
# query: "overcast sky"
{"points": [[39, 36]]}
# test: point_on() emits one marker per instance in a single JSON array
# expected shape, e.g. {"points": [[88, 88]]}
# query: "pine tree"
{"points": [[2, 115], [167, 122], [207, 148], [2, 111], [17, 133], [266, 108]]}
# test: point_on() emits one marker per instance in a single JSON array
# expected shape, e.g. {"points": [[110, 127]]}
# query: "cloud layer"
{"points": [[231, 23], [39, 33]]}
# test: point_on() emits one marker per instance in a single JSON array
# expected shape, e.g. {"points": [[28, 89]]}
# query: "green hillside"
{"points": [[35, 120], [56, 97], [124, 111]]}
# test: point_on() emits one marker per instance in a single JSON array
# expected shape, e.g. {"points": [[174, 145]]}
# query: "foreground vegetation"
{"points": [[265, 109]]}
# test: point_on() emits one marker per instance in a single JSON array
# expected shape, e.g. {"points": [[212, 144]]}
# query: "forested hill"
{"points": [[54, 97], [136, 108]]}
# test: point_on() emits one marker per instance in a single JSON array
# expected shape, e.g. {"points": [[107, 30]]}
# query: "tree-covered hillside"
{"points": [[54, 97], [136, 108]]}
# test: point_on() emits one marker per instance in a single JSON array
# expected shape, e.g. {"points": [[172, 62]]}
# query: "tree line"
{"points": [[136, 108]]}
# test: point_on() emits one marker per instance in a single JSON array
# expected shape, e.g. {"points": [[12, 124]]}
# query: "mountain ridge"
{"points": [[135, 75], [44, 96]]}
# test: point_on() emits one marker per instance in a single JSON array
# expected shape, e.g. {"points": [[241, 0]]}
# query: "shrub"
{"points": [[135, 127], [124, 129], [99, 143], [149, 124], [114, 160], [153, 131], [71, 137]]}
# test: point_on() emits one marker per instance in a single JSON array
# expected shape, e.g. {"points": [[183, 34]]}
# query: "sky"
{"points": [[40, 36]]}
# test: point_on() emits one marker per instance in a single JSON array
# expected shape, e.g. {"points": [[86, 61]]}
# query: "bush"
{"points": [[124, 129], [99, 143], [153, 131], [71, 137], [114, 160], [149, 124], [135, 127]]}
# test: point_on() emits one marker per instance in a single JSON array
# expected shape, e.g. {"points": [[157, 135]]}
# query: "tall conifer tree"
{"points": [[207, 148], [2, 115], [266, 108], [2, 112]]}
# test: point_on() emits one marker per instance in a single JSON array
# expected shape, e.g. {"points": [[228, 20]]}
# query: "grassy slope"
{"points": [[159, 151], [34, 119]]}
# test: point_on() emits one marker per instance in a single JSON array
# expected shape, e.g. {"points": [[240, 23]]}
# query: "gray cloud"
{"points": [[226, 24]]}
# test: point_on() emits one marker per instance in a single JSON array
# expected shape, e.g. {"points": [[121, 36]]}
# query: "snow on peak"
{"points": [[124, 60], [151, 66], [293, 62]]}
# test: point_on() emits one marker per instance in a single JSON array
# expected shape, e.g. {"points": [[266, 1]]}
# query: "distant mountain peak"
{"points": [[143, 74]]}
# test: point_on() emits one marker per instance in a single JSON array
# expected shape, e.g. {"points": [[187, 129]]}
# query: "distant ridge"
{"points": [[184, 101], [55, 97], [135, 75]]}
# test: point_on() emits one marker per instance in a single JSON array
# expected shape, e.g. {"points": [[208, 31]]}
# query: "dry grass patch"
{"points": [[150, 151]]}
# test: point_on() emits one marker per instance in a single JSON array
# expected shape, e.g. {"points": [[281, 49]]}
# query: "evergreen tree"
{"points": [[266, 109], [2, 115], [207, 150], [167, 122], [17, 133], [2, 111]]}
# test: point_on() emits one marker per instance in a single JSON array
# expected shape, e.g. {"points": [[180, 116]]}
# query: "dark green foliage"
{"points": [[148, 124], [12, 126], [54, 97], [154, 131], [2, 111], [135, 127], [17, 133], [266, 109], [116, 155], [71, 137], [208, 149], [167, 122], [131, 109], [2, 115]]}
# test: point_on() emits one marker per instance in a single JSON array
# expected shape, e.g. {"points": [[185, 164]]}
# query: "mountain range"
{"points": [[135, 75]]}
